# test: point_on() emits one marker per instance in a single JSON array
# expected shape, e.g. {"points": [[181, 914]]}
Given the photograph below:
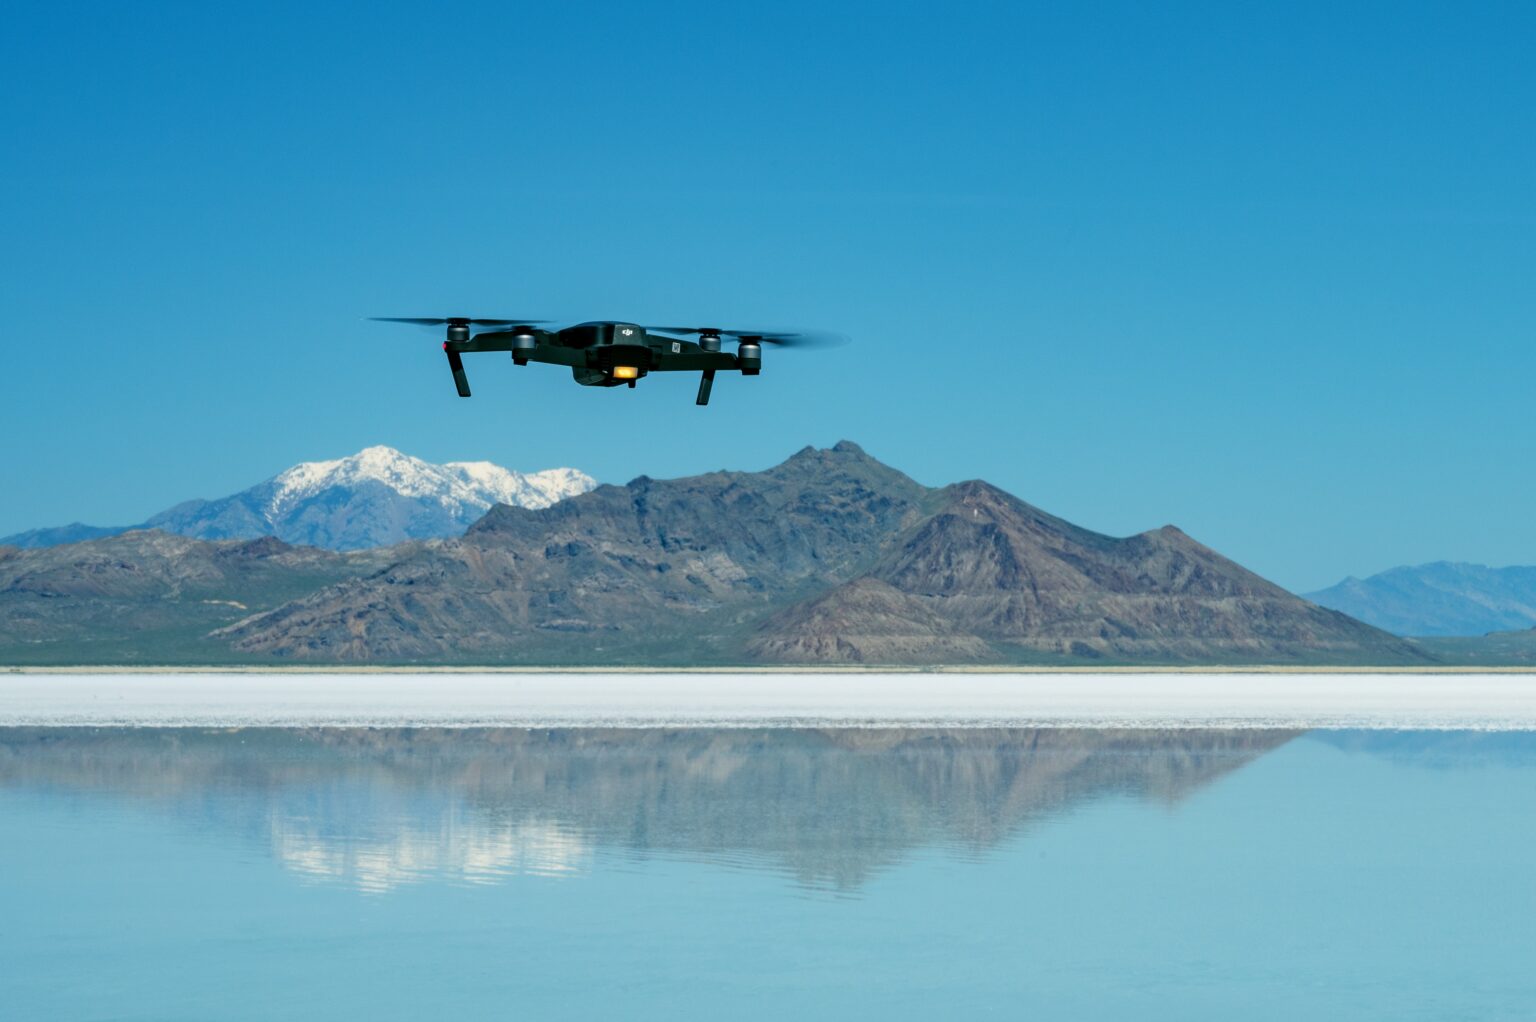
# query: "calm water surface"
{"points": [[185, 873]]}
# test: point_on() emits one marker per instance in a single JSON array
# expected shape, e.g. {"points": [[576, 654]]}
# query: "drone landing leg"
{"points": [[455, 363], [706, 383]]}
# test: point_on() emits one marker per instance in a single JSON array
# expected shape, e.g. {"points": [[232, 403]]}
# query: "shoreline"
{"points": [[614, 699], [790, 669]]}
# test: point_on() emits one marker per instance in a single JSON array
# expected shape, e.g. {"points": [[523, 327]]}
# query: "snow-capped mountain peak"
{"points": [[376, 497], [461, 488], [524, 489]]}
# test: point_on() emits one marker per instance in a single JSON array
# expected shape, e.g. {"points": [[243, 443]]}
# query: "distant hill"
{"points": [[1443, 598], [75, 532], [830, 557], [1496, 649], [374, 498]]}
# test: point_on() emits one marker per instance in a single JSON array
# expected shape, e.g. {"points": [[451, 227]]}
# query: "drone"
{"points": [[612, 354]]}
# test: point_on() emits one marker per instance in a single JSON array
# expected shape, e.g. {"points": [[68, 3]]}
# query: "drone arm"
{"points": [[543, 351], [555, 355], [502, 341], [486, 342], [694, 361]]}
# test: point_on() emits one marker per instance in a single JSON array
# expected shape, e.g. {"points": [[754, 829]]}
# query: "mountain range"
{"points": [[1440, 599], [374, 498], [830, 557]]}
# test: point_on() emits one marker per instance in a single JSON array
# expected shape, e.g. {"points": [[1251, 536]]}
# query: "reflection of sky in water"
{"points": [[766, 874]]}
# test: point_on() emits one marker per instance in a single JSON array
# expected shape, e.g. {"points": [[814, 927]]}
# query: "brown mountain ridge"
{"points": [[830, 557]]}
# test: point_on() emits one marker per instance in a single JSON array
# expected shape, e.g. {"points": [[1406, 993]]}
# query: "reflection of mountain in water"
{"points": [[378, 808], [465, 850]]}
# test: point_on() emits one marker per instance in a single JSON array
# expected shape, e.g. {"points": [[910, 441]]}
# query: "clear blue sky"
{"points": [[1262, 273]]}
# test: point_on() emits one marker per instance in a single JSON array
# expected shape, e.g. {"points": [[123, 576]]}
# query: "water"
{"points": [[243, 873]]}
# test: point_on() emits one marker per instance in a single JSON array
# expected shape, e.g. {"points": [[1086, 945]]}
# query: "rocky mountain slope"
{"points": [[376, 497], [829, 557], [671, 569], [1443, 598], [149, 596], [989, 568]]}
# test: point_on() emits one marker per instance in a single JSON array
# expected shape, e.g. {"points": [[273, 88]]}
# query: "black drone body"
{"points": [[610, 353]]}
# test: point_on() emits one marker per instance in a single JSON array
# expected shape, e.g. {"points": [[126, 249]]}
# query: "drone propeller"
{"points": [[454, 321], [782, 338]]}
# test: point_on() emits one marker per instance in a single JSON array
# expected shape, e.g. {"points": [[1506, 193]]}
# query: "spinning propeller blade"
{"points": [[798, 338], [454, 321]]}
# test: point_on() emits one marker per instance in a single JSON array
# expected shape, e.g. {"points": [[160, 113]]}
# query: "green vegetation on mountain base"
{"points": [[1498, 649]]}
